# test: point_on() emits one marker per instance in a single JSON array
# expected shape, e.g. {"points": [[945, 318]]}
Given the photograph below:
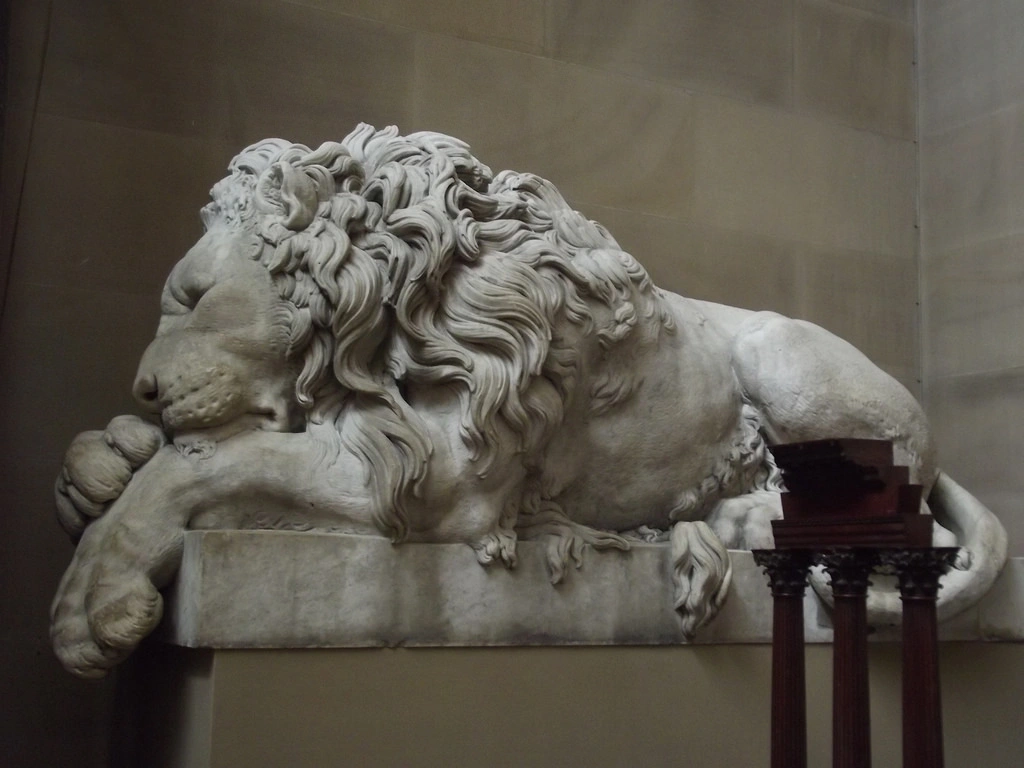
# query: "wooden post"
{"points": [[849, 570], [787, 576], [919, 571]]}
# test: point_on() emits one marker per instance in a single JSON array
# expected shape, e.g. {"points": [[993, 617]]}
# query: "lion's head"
{"points": [[332, 282]]}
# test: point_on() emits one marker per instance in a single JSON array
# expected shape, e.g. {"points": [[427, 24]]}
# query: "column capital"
{"points": [[786, 569], [848, 568], [919, 568]]}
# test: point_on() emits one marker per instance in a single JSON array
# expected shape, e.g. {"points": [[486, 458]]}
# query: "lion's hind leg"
{"points": [[745, 522], [808, 384]]}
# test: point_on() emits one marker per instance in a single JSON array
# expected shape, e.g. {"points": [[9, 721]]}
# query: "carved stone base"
{"points": [[271, 589]]}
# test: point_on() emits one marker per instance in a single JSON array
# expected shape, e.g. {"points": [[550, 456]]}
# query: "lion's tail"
{"points": [[982, 541], [981, 537], [701, 574]]}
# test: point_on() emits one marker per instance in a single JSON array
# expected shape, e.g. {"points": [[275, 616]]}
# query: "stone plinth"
{"points": [[272, 589], [599, 707]]}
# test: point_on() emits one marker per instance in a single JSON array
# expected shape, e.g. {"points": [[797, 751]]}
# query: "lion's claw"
{"points": [[498, 545]]}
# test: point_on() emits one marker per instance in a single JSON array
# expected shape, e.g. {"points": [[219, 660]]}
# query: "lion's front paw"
{"points": [[99, 617], [74, 644], [98, 466], [498, 545], [123, 610]]}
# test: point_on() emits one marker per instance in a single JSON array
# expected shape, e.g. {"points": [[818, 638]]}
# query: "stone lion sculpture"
{"points": [[380, 337]]}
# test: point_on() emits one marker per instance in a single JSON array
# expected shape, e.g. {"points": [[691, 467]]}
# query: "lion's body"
{"points": [[376, 337], [643, 459]]}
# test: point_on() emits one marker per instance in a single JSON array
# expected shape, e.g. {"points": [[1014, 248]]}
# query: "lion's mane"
{"points": [[405, 263]]}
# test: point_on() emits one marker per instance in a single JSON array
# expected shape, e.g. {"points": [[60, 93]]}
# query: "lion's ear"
{"points": [[298, 194], [291, 193]]}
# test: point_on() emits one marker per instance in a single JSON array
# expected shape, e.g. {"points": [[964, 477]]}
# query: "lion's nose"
{"points": [[147, 391]]}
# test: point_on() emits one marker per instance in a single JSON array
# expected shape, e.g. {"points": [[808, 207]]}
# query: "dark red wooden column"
{"points": [[787, 576], [853, 508], [919, 571], [849, 570]]}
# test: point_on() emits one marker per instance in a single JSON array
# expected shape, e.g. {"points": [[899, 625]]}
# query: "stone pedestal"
{"points": [[268, 682], [239, 589], [701, 706], [363, 592]]}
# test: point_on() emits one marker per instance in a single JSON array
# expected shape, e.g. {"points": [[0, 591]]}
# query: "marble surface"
{"points": [[272, 589], [383, 337]]}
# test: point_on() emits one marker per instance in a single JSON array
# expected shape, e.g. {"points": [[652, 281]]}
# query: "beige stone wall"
{"points": [[972, 243], [757, 152], [704, 707]]}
